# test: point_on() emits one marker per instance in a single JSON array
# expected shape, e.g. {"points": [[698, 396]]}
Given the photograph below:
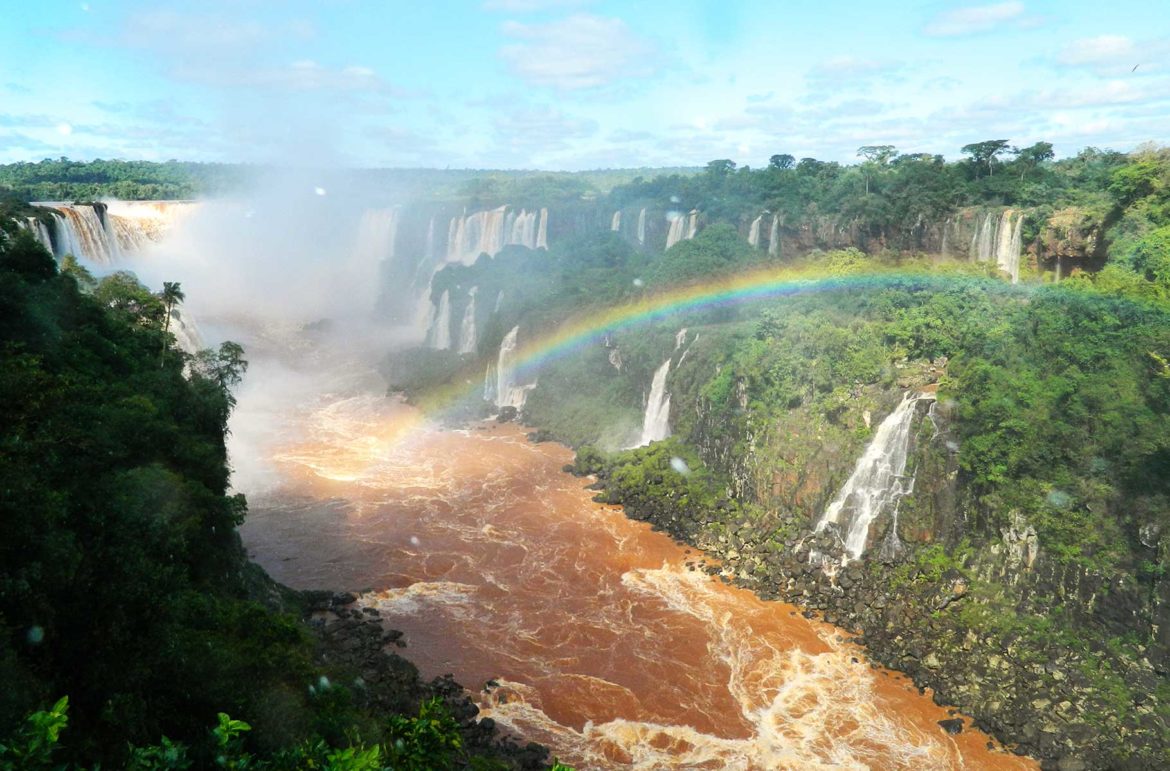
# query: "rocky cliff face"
{"points": [[1066, 665]]}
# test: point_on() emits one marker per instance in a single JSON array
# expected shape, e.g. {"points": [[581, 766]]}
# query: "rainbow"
{"points": [[769, 283]]}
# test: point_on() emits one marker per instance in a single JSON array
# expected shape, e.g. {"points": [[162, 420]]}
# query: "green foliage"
{"points": [[32, 747]]}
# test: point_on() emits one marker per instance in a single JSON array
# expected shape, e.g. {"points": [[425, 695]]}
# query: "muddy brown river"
{"points": [[607, 647]]}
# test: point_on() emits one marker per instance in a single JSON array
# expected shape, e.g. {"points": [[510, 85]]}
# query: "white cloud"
{"points": [[530, 6], [975, 19], [582, 51]]}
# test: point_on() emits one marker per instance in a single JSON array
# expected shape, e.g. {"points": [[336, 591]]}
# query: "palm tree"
{"points": [[172, 294]]}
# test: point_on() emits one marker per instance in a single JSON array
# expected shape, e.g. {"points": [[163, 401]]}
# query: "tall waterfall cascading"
{"points": [[489, 231], [1000, 238], [374, 243], [878, 482], [509, 393], [983, 238], [39, 230], [489, 384], [615, 222], [103, 233], [185, 330], [774, 237], [642, 227], [467, 339], [439, 335], [680, 337], [754, 232], [542, 231], [1007, 253], [656, 421], [674, 233]]}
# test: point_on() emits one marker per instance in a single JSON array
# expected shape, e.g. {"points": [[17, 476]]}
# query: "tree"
{"points": [[875, 156], [782, 161], [1032, 156], [984, 153], [721, 167], [171, 295]]}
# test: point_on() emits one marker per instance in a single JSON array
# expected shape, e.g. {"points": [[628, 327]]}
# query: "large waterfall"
{"points": [[682, 226], [615, 223], [439, 335], [467, 338], [509, 393], [774, 237], [642, 226], [489, 231], [878, 482], [1000, 238], [374, 245], [754, 232], [103, 233], [656, 421]]}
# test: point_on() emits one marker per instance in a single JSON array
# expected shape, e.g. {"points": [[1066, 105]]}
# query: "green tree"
{"points": [[984, 153]]}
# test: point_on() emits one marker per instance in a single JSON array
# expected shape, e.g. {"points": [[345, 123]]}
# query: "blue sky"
{"points": [[573, 84]]}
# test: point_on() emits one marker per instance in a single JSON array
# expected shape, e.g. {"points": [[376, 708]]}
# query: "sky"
{"points": [[573, 84]]}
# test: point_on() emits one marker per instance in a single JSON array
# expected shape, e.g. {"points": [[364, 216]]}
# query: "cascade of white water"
{"points": [[642, 226], [542, 230], [430, 251], [103, 233], [374, 243], [692, 224], [489, 383], [680, 337], [983, 239], [656, 421], [674, 232], [754, 232], [84, 233], [774, 237], [39, 230], [439, 335], [879, 480], [185, 330], [499, 301], [467, 339], [615, 222], [1009, 244], [509, 393]]}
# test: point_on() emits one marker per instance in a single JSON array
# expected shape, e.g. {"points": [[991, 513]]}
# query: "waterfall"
{"points": [[489, 384], [186, 333], [439, 334], [615, 222], [674, 233], [642, 226], [430, 253], [542, 231], [656, 422], [508, 392], [754, 233], [105, 232], [680, 337], [39, 230], [1009, 244], [945, 233], [774, 237], [983, 238], [692, 224], [374, 244], [467, 327], [878, 482], [499, 301]]}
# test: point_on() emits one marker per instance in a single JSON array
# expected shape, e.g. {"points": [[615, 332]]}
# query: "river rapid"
{"points": [[606, 644]]}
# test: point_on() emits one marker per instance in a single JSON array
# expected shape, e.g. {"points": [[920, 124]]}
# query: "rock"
{"points": [[1070, 763], [507, 414], [952, 726]]}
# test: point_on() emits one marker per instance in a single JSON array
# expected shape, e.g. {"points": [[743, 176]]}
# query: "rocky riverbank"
{"points": [[988, 630]]}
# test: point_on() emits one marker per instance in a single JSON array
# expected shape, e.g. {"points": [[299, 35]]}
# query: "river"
{"points": [[607, 645]]}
